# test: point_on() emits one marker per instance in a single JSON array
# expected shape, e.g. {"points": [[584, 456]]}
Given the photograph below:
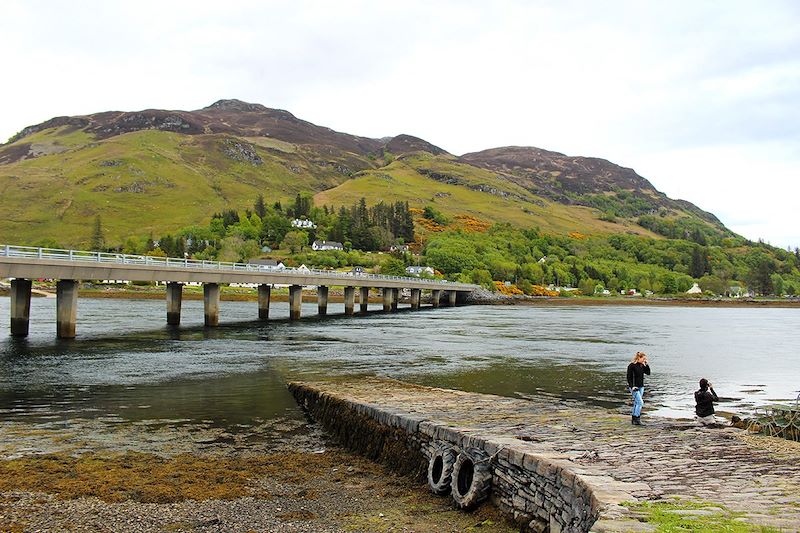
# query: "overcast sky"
{"points": [[701, 98]]}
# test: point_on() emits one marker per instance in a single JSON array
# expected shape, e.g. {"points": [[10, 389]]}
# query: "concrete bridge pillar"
{"points": [[211, 304], [349, 300], [264, 291], [435, 294], [415, 295], [66, 308], [322, 300], [20, 307], [295, 301], [395, 298], [451, 298], [363, 299], [174, 296], [387, 299]]}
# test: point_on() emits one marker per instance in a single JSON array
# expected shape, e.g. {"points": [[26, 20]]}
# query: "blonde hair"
{"points": [[638, 356]]}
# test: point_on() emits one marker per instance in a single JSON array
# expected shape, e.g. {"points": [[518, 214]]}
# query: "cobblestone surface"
{"points": [[751, 475]]}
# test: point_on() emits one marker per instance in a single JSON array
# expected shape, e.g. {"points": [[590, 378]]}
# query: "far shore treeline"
{"points": [[499, 257]]}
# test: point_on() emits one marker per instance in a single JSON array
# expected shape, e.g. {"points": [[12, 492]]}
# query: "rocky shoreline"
{"points": [[92, 475]]}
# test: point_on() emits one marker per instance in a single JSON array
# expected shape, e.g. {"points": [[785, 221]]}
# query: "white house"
{"points": [[303, 223], [695, 289], [326, 245], [268, 264], [303, 268], [398, 248], [419, 270]]}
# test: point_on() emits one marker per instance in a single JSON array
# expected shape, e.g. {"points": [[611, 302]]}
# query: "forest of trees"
{"points": [[233, 235], [613, 262], [721, 263]]}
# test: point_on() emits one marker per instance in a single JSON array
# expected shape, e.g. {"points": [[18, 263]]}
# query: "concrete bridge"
{"points": [[25, 264]]}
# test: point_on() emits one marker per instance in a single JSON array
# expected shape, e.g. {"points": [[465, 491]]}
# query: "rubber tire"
{"points": [[440, 469], [471, 480]]}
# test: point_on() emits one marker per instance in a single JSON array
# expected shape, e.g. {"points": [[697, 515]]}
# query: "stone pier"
{"points": [[395, 298], [174, 296], [435, 295], [363, 299], [415, 297], [451, 298], [66, 308], [322, 300], [264, 291], [562, 466], [349, 300], [211, 304], [387, 299], [295, 301], [20, 307]]}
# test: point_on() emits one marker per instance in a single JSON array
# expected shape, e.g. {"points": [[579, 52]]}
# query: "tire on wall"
{"points": [[440, 469], [471, 480]]}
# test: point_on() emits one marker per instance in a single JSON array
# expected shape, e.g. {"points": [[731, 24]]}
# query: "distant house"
{"points": [[303, 223], [326, 245], [271, 264], [735, 291], [419, 270], [357, 270], [695, 289], [303, 268], [398, 248]]}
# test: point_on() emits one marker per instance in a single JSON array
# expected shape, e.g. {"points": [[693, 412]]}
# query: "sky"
{"points": [[702, 98]]}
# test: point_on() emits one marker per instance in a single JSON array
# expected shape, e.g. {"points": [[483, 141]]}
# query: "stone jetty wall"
{"points": [[540, 489]]}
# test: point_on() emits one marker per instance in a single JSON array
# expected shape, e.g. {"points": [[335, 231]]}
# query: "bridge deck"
{"points": [[35, 263]]}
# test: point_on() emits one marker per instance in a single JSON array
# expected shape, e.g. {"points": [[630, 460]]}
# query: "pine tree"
{"points": [[98, 238], [259, 207]]}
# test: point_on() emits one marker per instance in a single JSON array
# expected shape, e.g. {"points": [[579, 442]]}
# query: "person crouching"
{"points": [[704, 403]]}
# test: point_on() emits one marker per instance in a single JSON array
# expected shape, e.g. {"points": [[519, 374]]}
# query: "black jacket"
{"points": [[636, 372], [705, 398]]}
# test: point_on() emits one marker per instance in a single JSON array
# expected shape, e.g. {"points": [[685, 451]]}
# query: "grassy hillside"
{"points": [[157, 171], [148, 181], [460, 189]]}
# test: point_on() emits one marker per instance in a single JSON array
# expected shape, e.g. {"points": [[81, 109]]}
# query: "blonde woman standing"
{"points": [[636, 371]]}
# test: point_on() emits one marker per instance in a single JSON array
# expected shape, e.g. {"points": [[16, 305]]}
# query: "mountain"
{"points": [[155, 171]]}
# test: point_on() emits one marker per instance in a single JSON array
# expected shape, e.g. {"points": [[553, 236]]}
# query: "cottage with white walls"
{"points": [[419, 270], [326, 245], [303, 223]]}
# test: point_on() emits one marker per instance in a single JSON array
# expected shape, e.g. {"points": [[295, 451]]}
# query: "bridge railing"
{"points": [[30, 252]]}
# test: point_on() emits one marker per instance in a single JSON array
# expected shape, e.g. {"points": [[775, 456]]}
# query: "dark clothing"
{"points": [[705, 398], [636, 372]]}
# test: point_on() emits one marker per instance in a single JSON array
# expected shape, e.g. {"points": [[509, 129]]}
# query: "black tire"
{"points": [[471, 480], [440, 469]]}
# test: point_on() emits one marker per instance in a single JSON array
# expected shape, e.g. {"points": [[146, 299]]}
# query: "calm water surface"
{"points": [[127, 365]]}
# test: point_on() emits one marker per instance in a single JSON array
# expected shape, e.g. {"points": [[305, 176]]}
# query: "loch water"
{"points": [[127, 365]]}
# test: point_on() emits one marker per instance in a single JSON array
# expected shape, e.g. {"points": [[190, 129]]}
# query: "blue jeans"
{"points": [[638, 402]]}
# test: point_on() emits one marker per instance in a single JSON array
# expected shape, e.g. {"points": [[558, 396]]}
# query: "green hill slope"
{"points": [[149, 181], [456, 188], [156, 171]]}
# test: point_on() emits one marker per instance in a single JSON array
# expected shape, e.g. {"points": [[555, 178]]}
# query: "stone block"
{"points": [[519, 502]]}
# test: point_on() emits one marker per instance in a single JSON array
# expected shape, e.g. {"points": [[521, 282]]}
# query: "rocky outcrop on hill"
{"points": [[588, 181]]}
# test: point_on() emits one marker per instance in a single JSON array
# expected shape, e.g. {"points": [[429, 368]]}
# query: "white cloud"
{"points": [[697, 97]]}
